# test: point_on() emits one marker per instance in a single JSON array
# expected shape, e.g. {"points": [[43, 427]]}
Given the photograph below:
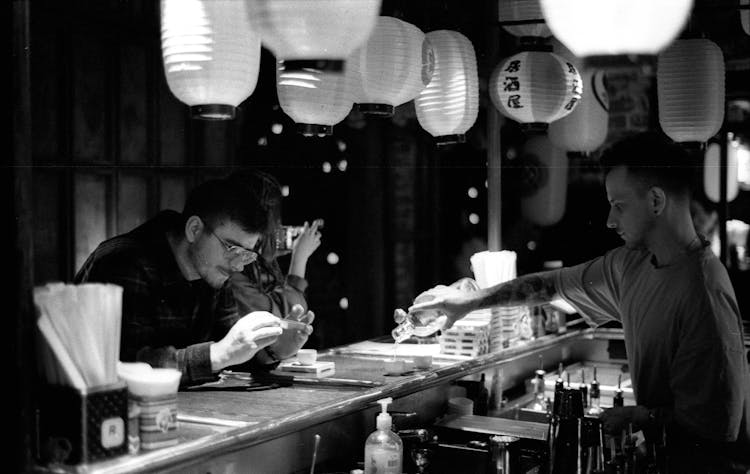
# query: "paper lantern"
{"points": [[211, 53], [615, 27], [315, 100], [712, 171], [392, 67], [585, 128], [447, 107], [745, 16], [545, 182], [535, 88], [690, 89], [318, 34], [513, 12]]}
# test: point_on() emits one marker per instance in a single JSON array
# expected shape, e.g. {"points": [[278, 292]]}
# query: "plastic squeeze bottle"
{"points": [[383, 448]]}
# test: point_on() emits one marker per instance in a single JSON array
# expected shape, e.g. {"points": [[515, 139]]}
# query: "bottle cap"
{"points": [[383, 421]]}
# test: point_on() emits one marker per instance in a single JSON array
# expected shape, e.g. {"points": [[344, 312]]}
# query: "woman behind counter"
{"points": [[262, 286]]}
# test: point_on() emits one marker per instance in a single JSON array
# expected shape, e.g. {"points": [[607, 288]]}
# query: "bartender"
{"points": [[177, 308], [674, 299]]}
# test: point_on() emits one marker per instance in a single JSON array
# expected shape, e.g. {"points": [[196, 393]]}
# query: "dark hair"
{"points": [[653, 159], [224, 199], [267, 190]]}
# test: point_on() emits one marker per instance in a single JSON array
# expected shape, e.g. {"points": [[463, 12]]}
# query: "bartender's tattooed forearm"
{"points": [[533, 289]]}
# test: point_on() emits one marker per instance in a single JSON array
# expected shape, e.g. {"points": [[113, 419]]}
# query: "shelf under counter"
{"points": [[273, 430]]}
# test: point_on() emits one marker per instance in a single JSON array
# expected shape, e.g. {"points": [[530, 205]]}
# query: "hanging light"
{"points": [[392, 67], [522, 18], [211, 53], [585, 128], [447, 107], [535, 88], [712, 171], [545, 181], [690, 90], [616, 27], [745, 16], [316, 34], [316, 100]]}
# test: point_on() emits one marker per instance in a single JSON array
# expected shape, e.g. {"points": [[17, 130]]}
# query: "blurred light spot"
{"points": [[531, 245], [263, 141], [342, 165], [342, 145], [332, 258], [472, 192], [474, 218], [326, 167], [344, 303], [285, 190], [277, 128]]}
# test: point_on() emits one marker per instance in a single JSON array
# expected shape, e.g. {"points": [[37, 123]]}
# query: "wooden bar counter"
{"points": [[233, 427]]}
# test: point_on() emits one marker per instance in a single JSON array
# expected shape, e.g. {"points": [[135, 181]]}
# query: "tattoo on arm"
{"points": [[533, 289]]}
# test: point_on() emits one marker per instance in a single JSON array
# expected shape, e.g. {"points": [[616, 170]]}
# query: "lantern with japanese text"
{"points": [[535, 88], [318, 34], [522, 18], [211, 54], [690, 89], [545, 181], [616, 27], [392, 67], [315, 100], [585, 128], [447, 107], [712, 171]]}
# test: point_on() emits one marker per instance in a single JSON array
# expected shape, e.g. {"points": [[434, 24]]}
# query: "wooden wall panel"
{"points": [[90, 98], [91, 216], [47, 227], [172, 192], [133, 117], [44, 90], [132, 202]]}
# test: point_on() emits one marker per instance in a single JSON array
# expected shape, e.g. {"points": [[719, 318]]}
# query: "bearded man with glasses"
{"points": [[177, 308]]}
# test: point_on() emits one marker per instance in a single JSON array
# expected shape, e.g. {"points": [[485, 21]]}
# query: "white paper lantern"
{"points": [[545, 184], [745, 16], [211, 53], [315, 100], [712, 171], [690, 89], [585, 129], [535, 88], [447, 107], [615, 27], [511, 11], [317, 34], [392, 67]]}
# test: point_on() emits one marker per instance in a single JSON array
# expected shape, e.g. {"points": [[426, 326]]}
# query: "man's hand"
{"points": [[453, 303], [299, 327], [251, 333], [615, 419]]}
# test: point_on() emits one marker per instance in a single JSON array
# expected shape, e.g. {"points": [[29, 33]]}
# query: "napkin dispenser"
{"points": [[74, 427]]}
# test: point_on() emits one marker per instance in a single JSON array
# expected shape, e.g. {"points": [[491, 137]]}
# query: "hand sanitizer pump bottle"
{"points": [[383, 448]]}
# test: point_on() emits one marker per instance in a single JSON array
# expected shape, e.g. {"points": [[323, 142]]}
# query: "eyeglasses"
{"points": [[235, 252]]}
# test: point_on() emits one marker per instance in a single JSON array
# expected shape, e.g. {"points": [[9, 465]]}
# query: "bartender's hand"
{"points": [[451, 302], [251, 333], [616, 419], [293, 338]]}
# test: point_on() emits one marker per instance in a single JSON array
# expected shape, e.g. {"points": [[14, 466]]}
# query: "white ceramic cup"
{"points": [[307, 356]]}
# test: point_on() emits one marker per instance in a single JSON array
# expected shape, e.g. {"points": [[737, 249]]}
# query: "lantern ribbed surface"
{"points": [[211, 54], [447, 107], [585, 128], [392, 67], [690, 89], [315, 100], [523, 10], [614, 27], [535, 87], [745, 16], [319, 33], [545, 184], [712, 171]]}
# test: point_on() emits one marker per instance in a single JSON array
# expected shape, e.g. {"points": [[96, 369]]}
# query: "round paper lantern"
{"points": [[447, 107], [318, 34], [535, 88], [614, 27], [211, 53], [745, 16], [690, 89], [712, 171], [545, 182], [392, 67], [315, 100], [585, 129], [511, 12]]}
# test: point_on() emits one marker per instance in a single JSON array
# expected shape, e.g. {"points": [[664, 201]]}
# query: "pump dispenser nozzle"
{"points": [[383, 421]]}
